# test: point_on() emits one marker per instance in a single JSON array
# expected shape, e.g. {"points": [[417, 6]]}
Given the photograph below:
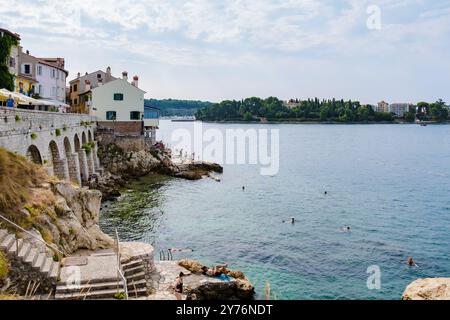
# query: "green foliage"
{"points": [[439, 111], [58, 132], [410, 116], [119, 296], [171, 107], [17, 118], [33, 136], [65, 128], [6, 78], [4, 265], [274, 109], [88, 147]]}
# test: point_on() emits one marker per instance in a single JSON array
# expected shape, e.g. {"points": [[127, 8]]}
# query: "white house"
{"points": [[119, 105], [51, 78]]}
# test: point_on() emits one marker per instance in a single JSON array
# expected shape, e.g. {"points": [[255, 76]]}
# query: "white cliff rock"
{"points": [[428, 289]]}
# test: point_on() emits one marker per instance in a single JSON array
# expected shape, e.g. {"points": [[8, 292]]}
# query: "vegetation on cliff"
{"points": [[18, 176], [173, 107], [6, 44]]}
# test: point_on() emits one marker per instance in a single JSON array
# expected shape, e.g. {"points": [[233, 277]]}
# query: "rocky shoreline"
{"points": [[123, 166]]}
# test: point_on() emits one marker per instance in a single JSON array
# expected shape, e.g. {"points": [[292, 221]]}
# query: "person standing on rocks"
{"points": [[179, 286]]}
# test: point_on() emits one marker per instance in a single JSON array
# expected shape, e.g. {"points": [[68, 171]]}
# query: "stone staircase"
{"points": [[135, 273], [24, 253]]}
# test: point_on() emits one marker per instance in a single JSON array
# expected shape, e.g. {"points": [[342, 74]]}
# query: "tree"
{"points": [[248, 116]]}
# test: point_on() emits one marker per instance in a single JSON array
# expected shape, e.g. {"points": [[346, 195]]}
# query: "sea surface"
{"points": [[390, 183]]}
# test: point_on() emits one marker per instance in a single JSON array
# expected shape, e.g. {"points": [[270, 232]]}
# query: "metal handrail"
{"points": [[51, 246], [119, 267]]}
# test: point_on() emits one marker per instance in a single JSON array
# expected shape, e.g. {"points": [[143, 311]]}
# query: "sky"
{"points": [[366, 50]]}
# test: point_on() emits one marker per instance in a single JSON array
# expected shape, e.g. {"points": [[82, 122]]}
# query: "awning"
{"points": [[20, 98], [55, 103]]}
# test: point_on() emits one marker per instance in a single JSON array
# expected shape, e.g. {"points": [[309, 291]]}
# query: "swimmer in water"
{"points": [[243, 188], [411, 262], [326, 192], [346, 229], [291, 221]]}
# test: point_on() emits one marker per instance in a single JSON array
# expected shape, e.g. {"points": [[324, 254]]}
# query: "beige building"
{"points": [[382, 107], [80, 87]]}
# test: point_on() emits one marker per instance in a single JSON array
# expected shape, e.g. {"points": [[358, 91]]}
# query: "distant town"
{"points": [[41, 83]]}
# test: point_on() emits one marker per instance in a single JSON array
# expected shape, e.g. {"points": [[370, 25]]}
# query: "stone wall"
{"points": [[52, 139], [124, 127]]}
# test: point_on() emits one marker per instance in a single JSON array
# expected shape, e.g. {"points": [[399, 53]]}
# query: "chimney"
{"points": [[28, 52], [87, 84], [108, 71], [135, 81], [78, 75], [125, 75]]}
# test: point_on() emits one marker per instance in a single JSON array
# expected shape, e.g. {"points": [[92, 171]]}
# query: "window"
{"points": [[111, 115], [26, 69], [118, 96], [12, 62], [75, 88], [135, 115], [53, 73], [76, 102], [39, 70], [99, 76]]}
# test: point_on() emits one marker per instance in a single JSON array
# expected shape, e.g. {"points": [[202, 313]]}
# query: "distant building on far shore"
{"points": [[291, 104], [399, 109], [382, 107]]}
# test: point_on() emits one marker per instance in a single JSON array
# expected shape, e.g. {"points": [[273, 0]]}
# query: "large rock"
{"points": [[428, 289]]}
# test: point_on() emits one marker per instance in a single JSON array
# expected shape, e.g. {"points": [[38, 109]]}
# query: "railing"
{"points": [[51, 246], [119, 268]]}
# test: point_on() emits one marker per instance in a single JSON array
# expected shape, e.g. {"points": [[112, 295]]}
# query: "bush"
{"points": [[119, 296], [4, 265], [58, 132], [18, 118], [34, 136]]}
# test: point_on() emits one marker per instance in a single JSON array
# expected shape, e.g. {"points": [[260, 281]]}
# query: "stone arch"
{"points": [[53, 151], [59, 165], [76, 143], [83, 138], [73, 162], [67, 147], [34, 155]]}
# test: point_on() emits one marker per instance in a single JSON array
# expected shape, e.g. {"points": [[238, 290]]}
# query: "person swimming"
{"points": [[411, 262], [326, 192], [346, 229], [243, 188], [291, 221]]}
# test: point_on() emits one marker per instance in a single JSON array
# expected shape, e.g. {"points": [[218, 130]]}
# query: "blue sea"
{"points": [[390, 183]]}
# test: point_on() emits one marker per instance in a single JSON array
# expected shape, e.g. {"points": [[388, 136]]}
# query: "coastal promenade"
{"points": [[63, 143]]}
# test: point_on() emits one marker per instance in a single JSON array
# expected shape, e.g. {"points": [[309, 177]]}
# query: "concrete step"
{"points": [[84, 288], [7, 242], [141, 292], [47, 266], [24, 250], [135, 270], [136, 284], [99, 294], [54, 272], [132, 264], [39, 263], [15, 247], [3, 234], [32, 256], [136, 277]]}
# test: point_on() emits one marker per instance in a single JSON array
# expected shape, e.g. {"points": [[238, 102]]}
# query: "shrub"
{"points": [[119, 296], [18, 118], [58, 132], [34, 136], [4, 265]]}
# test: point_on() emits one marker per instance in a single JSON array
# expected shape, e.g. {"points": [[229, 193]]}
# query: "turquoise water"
{"points": [[390, 183]]}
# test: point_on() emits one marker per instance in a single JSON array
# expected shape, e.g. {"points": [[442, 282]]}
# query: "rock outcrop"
{"points": [[200, 287], [66, 216], [428, 289]]}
